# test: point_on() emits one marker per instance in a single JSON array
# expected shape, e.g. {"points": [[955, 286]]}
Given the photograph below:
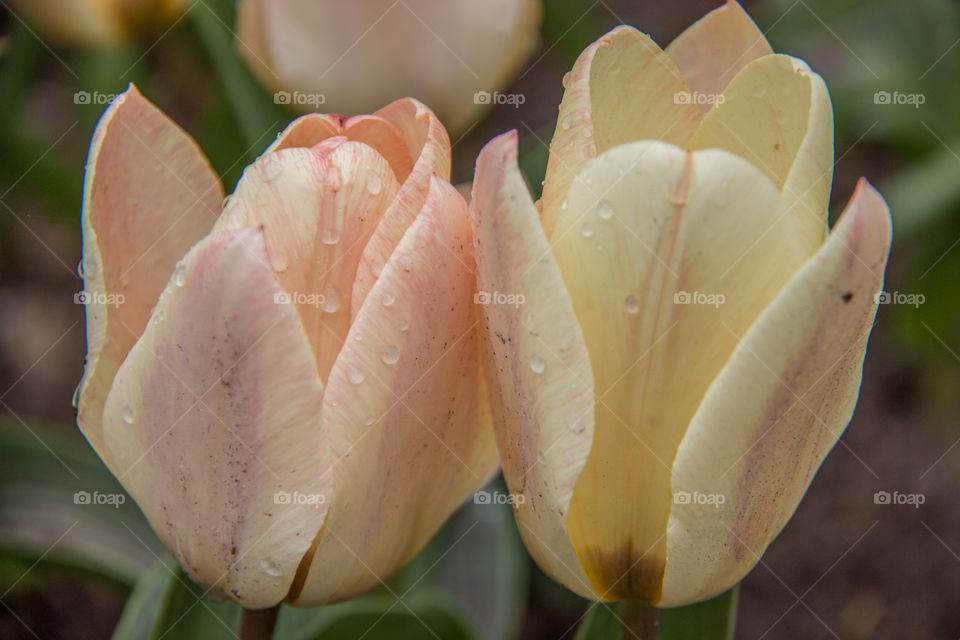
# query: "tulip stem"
{"points": [[257, 624], [639, 620]]}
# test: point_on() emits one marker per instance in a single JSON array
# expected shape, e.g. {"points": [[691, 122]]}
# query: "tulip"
{"points": [[288, 388], [353, 56], [96, 22], [692, 340]]}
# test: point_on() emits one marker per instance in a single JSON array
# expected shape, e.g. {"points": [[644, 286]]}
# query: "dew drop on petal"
{"points": [[334, 178], [390, 354], [631, 305], [330, 236], [586, 230], [374, 184], [376, 267], [574, 423], [604, 210], [537, 365], [565, 123], [270, 168], [354, 374], [331, 299], [270, 567], [387, 298], [404, 325], [369, 420], [180, 275], [127, 415]]}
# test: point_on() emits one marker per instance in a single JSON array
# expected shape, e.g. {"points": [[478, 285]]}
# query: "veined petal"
{"points": [[428, 142], [622, 88], [380, 134], [403, 460], [777, 408], [214, 413], [711, 51], [318, 211], [776, 113], [149, 195], [536, 362], [660, 250], [305, 131]]}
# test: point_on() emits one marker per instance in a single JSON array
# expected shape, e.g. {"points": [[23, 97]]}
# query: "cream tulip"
{"points": [[350, 57], [96, 22], [288, 388], [692, 340]]}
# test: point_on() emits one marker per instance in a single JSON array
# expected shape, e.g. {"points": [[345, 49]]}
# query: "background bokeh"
{"points": [[845, 567]]}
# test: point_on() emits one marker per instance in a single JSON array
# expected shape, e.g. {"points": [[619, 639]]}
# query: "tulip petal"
{"points": [[306, 131], [380, 134], [403, 460], [777, 408], [214, 412], [711, 51], [622, 88], [149, 195], [647, 225], [536, 362], [318, 212], [776, 113], [428, 143]]}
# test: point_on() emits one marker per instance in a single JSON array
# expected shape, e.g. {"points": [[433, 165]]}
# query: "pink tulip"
{"points": [[289, 388], [692, 338]]}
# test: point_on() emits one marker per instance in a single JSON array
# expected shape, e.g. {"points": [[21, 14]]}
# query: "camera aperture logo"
{"points": [[697, 498], [99, 298], [897, 297], [697, 98], [897, 98], [96, 498], [699, 297], [896, 498], [299, 98], [97, 97], [499, 298], [498, 497], [485, 97], [297, 498], [314, 300]]}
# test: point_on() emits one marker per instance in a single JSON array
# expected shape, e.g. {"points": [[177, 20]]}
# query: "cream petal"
{"points": [[214, 413], [647, 225], [318, 212], [149, 195], [622, 88], [777, 408], [306, 131], [428, 142], [711, 51], [380, 134], [536, 362], [402, 408], [777, 114]]}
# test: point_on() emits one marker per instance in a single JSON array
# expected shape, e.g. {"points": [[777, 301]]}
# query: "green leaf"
{"points": [[140, 612], [185, 614], [602, 622], [713, 619], [420, 618]]}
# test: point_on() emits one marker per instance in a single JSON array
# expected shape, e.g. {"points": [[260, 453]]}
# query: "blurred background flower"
{"points": [[862, 558]]}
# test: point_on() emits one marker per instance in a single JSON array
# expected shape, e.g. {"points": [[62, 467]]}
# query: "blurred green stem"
{"points": [[640, 620], [258, 624]]}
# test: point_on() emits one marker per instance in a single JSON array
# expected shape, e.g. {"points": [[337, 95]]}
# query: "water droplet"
{"points": [[587, 132], [374, 184], [537, 365], [180, 275], [566, 80], [376, 267], [330, 236], [127, 415], [404, 261], [565, 123], [331, 299], [334, 178], [354, 374], [563, 205], [263, 198], [358, 337], [604, 210], [158, 318], [387, 298], [270, 567], [404, 325], [390, 354], [369, 420], [531, 324], [631, 305], [586, 230], [574, 423], [270, 167]]}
